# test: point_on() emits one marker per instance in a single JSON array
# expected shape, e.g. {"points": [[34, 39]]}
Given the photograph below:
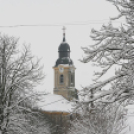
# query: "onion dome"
{"points": [[64, 47], [64, 60], [64, 52]]}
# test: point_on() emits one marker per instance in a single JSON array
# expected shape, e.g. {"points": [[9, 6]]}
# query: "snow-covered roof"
{"points": [[55, 103]]}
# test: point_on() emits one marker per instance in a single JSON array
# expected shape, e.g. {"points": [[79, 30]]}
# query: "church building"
{"points": [[64, 72], [59, 103]]}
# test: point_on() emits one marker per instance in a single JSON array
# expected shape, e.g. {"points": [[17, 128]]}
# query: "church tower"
{"points": [[64, 72]]}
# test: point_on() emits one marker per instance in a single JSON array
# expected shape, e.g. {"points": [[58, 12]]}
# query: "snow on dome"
{"points": [[55, 103]]}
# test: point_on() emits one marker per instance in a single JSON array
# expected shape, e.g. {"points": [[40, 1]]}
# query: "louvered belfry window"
{"points": [[61, 78]]}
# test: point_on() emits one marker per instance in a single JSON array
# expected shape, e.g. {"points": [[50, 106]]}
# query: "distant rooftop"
{"points": [[55, 103]]}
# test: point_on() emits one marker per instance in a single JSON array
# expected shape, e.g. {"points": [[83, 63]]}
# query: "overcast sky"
{"points": [[49, 16]]}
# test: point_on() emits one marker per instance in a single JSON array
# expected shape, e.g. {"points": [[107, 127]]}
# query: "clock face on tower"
{"points": [[61, 69]]}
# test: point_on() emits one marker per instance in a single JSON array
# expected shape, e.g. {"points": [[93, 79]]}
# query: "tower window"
{"points": [[61, 78], [72, 79]]}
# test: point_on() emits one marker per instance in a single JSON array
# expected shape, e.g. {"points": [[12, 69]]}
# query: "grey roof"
{"points": [[64, 54], [64, 60], [64, 47]]}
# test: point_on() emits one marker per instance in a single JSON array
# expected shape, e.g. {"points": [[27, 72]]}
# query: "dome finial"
{"points": [[64, 28]]}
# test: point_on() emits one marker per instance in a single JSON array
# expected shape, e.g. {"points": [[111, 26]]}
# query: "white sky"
{"points": [[45, 40]]}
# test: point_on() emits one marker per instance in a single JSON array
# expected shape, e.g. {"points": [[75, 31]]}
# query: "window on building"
{"points": [[61, 78], [72, 79]]}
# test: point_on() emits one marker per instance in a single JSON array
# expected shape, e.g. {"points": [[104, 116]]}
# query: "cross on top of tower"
{"points": [[64, 28]]}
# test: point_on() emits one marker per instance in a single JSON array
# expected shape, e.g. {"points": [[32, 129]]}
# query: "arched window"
{"points": [[61, 78], [72, 79]]}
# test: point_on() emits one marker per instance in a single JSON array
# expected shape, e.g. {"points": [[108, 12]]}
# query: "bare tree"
{"points": [[102, 119], [20, 72], [26, 120], [114, 46]]}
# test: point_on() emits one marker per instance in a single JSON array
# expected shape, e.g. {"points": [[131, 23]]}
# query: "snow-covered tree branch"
{"points": [[102, 119], [20, 72], [114, 46]]}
